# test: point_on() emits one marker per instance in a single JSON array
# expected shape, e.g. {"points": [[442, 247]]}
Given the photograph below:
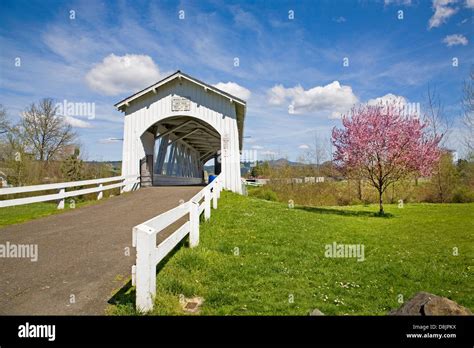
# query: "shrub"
{"points": [[463, 195], [264, 193]]}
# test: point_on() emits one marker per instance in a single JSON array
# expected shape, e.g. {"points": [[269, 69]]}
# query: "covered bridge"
{"points": [[173, 127]]}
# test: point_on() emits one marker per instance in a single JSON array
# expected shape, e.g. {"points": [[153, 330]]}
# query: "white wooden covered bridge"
{"points": [[173, 127]]}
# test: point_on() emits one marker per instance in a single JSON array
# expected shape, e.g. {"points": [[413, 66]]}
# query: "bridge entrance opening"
{"points": [[181, 147]]}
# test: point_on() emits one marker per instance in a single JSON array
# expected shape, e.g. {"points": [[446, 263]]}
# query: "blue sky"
{"points": [[113, 48]]}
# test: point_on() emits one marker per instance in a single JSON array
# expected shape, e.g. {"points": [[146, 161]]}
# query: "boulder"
{"points": [[316, 312], [424, 303]]}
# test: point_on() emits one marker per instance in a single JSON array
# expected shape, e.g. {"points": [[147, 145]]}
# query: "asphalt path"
{"points": [[84, 254]]}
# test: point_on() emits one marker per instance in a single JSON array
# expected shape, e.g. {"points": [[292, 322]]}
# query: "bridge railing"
{"points": [[149, 254], [62, 194]]}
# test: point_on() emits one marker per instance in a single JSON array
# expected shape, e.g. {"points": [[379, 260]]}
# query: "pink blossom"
{"points": [[383, 145]]}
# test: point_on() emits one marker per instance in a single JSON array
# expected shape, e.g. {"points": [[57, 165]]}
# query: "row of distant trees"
{"points": [[41, 147]]}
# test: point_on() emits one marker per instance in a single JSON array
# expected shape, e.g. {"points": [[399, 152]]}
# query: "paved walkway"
{"points": [[81, 254]]}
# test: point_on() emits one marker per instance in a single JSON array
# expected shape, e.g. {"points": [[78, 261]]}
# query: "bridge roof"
{"points": [[177, 74]]}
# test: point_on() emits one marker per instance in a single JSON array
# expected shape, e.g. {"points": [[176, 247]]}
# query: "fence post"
{"points": [[100, 194], [215, 192], [207, 204], [194, 224], [219, 188], [145, 268], [61, 201]]}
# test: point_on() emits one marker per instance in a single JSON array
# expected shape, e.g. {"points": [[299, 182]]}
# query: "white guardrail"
{"points": [[63, 194], [149, 254]]}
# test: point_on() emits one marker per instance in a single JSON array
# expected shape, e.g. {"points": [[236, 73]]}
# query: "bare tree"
{"points": [[319, 152], [438, 122], [468, 110], [45, 133], [439, 125], [4, 124]]}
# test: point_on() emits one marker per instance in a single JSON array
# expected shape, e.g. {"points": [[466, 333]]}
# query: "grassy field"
{"points": [[262, 258], [22, 213]]}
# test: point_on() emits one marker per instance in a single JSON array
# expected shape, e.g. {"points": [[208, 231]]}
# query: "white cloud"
{"points": [[339, 19], [278, 95], [257, 147], [234, 89], [334, 98], [455, 39], [303, 147], [77, 123], [470, 3], [247, 20], [442, 11], [120, 74], [388, 98], [109, 140]]}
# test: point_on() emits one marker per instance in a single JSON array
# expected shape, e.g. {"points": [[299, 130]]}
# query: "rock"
{"points": [[424, 303], [316, 312]]}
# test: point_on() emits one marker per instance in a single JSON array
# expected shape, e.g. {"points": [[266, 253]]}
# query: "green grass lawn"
{"points": [[22, 213], [261, 258]]}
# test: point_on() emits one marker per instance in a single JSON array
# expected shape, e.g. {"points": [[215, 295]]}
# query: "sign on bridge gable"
{"points": [[180, 104]]}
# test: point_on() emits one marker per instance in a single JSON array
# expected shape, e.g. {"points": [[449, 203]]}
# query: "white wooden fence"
{"points": [[62, 193], [252, 183], [149, 254]]}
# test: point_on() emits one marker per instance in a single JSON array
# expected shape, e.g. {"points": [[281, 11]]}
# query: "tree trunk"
{"points": [[381, 212], [359, 189]]}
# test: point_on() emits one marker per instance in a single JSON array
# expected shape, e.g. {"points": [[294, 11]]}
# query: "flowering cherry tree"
{"points": [[382, 144]]}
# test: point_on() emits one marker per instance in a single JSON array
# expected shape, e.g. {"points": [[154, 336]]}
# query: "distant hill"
{"points": [[274, 163], [112, 162], [284, 162], [115, 164]]}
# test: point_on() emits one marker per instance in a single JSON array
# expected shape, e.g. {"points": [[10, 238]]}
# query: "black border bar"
{"points": [[193, 330]]}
